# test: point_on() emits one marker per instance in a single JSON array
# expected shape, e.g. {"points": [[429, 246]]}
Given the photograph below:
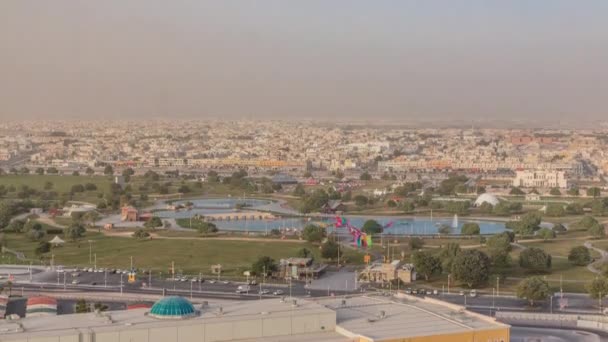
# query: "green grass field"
{"points": [[189, 255]]}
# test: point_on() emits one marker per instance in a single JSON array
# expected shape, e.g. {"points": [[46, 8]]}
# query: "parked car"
{"points": [[473, 293], [75, 282], [277, 292], [408, 290], [265, 291], [212, 281]]}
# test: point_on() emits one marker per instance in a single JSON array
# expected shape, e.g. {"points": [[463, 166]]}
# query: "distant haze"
{"points": [[457, 61]]}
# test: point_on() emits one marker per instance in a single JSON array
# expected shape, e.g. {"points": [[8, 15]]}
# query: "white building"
{"points": [[540, 179]]}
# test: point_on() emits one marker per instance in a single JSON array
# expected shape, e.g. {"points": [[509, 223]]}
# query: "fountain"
{"points": [[455, 221]]}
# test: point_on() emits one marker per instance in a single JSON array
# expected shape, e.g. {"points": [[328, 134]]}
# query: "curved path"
{"points": [[601, 261]]}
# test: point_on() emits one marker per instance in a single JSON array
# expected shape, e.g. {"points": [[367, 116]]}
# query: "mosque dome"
{"points": [[173, 307]]}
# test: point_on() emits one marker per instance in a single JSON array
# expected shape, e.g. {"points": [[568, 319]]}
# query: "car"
{"points": [[113, 271], [414, 291], [265, 291], [75, 274], [94, 283], [90, 270], [277, 292], [473, 293], [226, 282], [75, 282], [408, 290], [461, 293], [182, 279], [435, 292], [212, 281], [253, 282], [194, 280]]}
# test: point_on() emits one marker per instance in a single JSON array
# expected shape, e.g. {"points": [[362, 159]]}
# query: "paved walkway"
{"points": [[604, 258]]}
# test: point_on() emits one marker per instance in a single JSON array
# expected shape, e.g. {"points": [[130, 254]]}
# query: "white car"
{"points": [[75, 282], [473, 293], [226, 282], [277, 292], [265, 291], [212, 281]]}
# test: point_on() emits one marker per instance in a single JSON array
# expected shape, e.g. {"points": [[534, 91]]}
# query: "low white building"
{"points": [[540, 179]]}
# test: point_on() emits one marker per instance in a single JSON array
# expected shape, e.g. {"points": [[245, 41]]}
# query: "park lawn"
{"points": [[601, 244], [556, 247], [189, 255]]}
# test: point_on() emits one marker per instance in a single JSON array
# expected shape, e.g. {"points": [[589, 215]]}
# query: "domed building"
{"points": [[486, 198], [173, 307]]}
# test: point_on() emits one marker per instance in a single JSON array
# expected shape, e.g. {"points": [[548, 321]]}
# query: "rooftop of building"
{"points": [[384, 318]]}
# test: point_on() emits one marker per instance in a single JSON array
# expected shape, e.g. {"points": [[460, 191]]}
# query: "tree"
{"points": [[360, 200], [75, 173], [574, 209], [444, 229], [471, 267], [82, 306], [559, 228], [573, 192], [16, 226], [299, 190], [555, 192], [90, 187], [533, 289], [486, 208], [313, 233], [597, 230], [594, 192], [48, 185], [330, 250], [415, 243], [426, 264], [42, 248], [365, 176], [579, 256], [555, 210], [314, 201], [206, 227], [74, 231], [89, 171], [527, 225], [141, 234], [408, 206], [263, 266], [372, 227], [77, 188], [52, 170], [546, 234], [304, 253], [39, 171], [535, 260], [108, 170], [470, 228], [516, 191], [586, 222], [598, 288], [391, 203], [499, 247], [24, 170], [153, 222], [448, 253]]}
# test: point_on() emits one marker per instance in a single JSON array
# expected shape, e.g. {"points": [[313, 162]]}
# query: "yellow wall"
{"points": [[494, 335]]}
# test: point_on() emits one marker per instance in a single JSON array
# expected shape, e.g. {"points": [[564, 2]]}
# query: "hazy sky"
{"points": [[306, 59]]}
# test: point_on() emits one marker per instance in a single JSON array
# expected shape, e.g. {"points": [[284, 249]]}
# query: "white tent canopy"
{"points": [[57, 241]]}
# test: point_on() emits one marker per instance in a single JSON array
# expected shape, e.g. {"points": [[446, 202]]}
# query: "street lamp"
{"points": [[90, 251]]}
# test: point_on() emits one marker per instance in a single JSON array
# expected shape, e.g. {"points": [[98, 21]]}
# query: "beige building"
{"points": [[329, 319], [387, 272], [540, 179]]}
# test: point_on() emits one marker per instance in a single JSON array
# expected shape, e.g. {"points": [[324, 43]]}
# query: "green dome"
{"points": [[172, 307]]}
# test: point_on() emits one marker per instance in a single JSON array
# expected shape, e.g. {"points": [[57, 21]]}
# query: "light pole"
{"points": [[121, 284], [105, 278], [90, 252], [95, 267], [497, 285], [449, 276]]}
